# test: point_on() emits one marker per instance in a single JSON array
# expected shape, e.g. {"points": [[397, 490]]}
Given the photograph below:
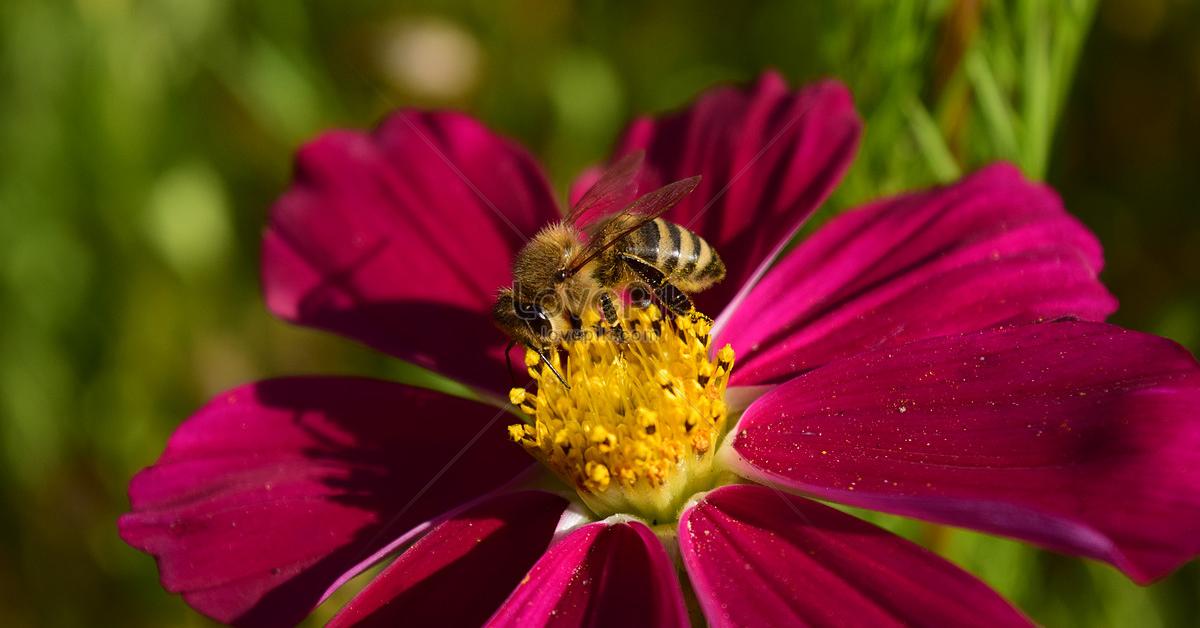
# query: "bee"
{"points": [[612, 242]]}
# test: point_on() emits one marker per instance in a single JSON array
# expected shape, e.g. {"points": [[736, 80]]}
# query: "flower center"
{"points": [[635, 431]]}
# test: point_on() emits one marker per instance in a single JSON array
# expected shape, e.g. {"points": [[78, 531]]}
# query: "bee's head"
{"points": [[524, 320]]}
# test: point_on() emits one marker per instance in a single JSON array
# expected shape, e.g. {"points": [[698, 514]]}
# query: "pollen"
{"points": [[636, 426]]}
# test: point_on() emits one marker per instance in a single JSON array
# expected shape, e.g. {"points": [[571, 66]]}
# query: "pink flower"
{"points": [[939, 355]]}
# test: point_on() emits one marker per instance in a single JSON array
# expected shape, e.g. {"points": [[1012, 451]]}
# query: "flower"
{"points": [[939, 355]]}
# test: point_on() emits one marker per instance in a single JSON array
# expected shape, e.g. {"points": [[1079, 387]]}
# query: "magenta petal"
{"points": [[768, 156], [599, 575], [1079, 436], [400, 239], [275, 492], [460, 572], [757, 557], [992, 249]]}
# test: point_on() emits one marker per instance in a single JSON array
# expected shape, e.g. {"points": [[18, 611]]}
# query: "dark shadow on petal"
{"points": [[462, 344], [337, 281], [400, 486]]}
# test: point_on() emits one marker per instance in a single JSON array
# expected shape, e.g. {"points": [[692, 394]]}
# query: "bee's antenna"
{"points": [[542, 355], [508, 361]]}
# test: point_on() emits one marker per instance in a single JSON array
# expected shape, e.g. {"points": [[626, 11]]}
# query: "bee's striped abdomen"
{"points": [[684, 258]]}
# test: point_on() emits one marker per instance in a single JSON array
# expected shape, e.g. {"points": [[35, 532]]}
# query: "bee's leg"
{"points": [[609, 309], [674, 299], [671, 297], [610, 315]]}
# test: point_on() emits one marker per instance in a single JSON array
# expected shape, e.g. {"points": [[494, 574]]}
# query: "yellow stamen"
{"points": [[636, 430]]}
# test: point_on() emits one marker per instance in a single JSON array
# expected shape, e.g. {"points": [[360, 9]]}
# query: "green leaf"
{"points": [[997, 115], [929, 139]]}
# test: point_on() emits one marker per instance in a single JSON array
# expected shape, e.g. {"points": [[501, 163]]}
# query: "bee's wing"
{"points": [[641, 211], [615, 189]]}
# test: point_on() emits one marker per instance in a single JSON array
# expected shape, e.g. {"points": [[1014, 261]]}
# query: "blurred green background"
{"points": [[142, 141]]}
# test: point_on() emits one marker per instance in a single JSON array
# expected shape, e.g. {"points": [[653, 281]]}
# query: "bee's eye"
{"points": [[541, 326], [534, 316], [560, 276]]}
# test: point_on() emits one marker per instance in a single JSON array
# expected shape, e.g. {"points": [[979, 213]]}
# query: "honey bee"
{"points": [[611, 243]]}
